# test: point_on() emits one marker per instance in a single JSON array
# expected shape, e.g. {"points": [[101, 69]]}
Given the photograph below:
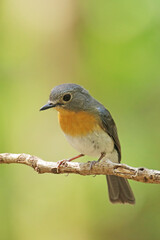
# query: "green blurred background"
{"points": [[112, 48]]}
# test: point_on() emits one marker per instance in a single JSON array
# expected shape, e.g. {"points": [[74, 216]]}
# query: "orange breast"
{"points": [[77, 123]]}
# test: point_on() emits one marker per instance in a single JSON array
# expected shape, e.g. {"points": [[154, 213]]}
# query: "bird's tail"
{"points": [[119, 190]]}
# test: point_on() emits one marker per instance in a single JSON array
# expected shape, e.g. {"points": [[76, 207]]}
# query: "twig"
{"points": [[102, 168]]}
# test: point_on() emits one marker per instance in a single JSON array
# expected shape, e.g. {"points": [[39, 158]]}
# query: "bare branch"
{"points": [[102, 168]]}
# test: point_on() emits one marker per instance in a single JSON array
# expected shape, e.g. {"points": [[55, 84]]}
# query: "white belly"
{"points": [[93, 144]]}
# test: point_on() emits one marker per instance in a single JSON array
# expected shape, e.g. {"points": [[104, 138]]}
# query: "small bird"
{"points": [[91, 130]]}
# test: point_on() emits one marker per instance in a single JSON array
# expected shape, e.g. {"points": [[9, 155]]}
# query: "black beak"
{"points": [[48, 105]]}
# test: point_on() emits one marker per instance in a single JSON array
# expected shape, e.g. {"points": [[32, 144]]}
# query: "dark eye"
{"points": [[66, 97]]}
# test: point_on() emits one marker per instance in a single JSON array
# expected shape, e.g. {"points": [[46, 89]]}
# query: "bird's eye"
{"points": [[67, 97]]}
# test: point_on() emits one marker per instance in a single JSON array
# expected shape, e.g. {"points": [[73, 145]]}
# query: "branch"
{"points": [[101, 168]]}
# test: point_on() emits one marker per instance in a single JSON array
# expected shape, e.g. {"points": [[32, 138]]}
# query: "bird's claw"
{"points": [[92, 163], [61, 162]]}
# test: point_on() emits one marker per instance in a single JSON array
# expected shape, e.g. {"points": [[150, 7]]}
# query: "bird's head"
{"points": [[71, 97]]}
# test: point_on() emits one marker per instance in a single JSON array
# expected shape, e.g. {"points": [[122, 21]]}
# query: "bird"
{"points": [[91, 130]]}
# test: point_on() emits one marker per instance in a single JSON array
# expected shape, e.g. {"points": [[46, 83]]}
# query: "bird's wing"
{"points": [[109, 126]]}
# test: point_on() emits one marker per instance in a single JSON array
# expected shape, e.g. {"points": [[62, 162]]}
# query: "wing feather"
{"points": [[108, 124]]}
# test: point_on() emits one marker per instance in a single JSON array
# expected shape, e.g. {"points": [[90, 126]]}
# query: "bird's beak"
{"points": [[48, 105]]}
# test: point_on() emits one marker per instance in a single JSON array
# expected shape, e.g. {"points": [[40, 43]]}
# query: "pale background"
{"points": [[112, 48]]}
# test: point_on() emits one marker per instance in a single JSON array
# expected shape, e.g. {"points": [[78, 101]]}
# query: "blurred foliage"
{"points": [[112, 48]]}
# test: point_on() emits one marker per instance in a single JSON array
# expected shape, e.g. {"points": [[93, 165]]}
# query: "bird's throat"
{"points": [[77, 123]]}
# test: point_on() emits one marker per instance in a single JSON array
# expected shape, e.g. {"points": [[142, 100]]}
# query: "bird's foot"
{"points": [[62, 162], [92, 163]]}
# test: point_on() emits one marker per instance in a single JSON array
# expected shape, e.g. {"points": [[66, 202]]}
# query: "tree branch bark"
{"points": [[101, 168]]}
